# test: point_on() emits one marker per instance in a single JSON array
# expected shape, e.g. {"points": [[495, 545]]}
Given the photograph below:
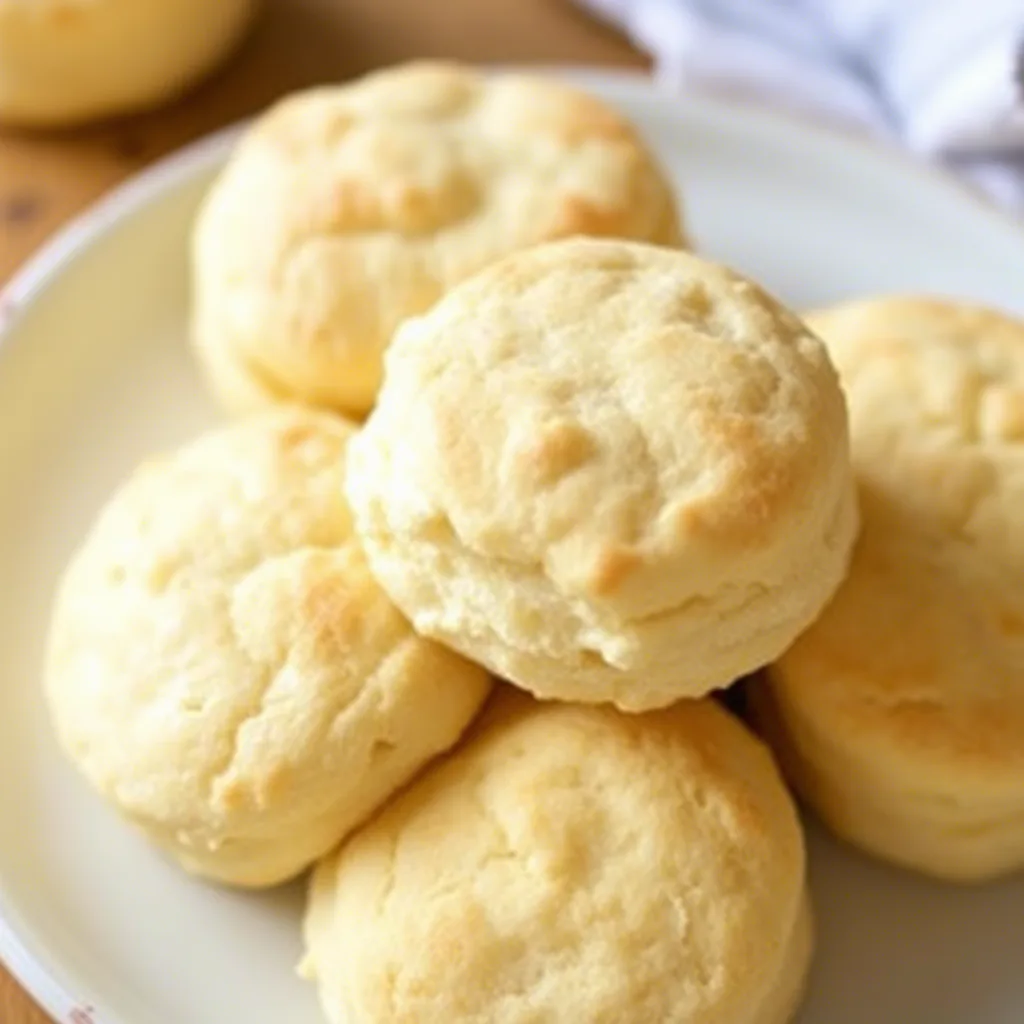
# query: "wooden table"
{"points": [[45, 179]]}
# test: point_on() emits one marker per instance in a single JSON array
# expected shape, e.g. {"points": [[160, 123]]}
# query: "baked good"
{"points": [[571, 863], [348, 208], [222, 667], [67, 61], [900, 712], [609, 471]]}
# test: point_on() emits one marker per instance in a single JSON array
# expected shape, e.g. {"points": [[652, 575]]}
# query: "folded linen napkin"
{"points": [[944, 77]]}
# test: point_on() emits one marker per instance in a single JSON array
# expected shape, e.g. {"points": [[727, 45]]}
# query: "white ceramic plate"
{"points": [[95, 374]]}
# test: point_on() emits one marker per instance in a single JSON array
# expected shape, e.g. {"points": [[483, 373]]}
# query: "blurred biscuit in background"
{"points": [[67, 61]]}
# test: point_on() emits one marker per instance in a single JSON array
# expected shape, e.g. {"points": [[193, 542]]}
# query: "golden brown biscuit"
{"points": [[66, 61], [900, 713], [225, 671], [347, 209], [571, 863], [610, 472]]}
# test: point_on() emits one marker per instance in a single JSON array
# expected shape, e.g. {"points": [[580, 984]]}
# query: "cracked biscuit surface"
{"points": [[900, 713], [571, 863], [610, 472], [347, 209], [222, 666]]}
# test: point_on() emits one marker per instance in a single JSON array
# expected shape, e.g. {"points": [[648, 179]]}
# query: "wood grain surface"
{"points": [[45, 179]]}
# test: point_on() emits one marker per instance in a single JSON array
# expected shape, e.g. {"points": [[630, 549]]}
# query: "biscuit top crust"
{"points": [[568, 862], [219, 631], [631, 425], [346, 209]]}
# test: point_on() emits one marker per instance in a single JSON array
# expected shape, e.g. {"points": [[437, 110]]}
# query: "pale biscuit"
{"points": [[610, 472], [900, 713], [223, 668], [572, 863], [347, 209], [66, 61]]}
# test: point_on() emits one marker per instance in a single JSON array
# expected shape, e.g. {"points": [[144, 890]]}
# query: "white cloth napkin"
{"points": [[945, 77]]}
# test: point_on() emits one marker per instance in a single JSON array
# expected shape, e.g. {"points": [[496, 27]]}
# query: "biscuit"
{"points": [[571, 863], [608, 471], [349, 208], [900, 712], [67, 61], [222, 667]]}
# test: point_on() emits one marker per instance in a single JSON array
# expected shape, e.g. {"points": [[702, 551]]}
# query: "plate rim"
{"points": [[35, 969]]}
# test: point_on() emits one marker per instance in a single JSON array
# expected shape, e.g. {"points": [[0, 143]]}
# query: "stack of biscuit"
{"points": [[599, 479]]}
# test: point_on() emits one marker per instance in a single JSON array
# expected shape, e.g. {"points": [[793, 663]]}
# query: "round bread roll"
{"points": [[347, 209], [900, 712], [571, 863], [610, 472], [223, 668], [66, 61]]}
